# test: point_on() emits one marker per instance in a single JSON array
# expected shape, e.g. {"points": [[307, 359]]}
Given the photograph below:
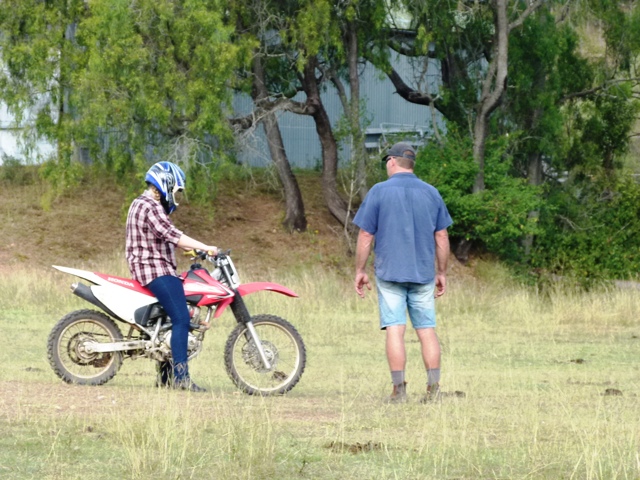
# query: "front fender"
{"points": [[247, 288]]}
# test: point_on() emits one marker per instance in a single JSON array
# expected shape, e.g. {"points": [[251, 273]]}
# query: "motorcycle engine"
{"points": [[194, 345]]}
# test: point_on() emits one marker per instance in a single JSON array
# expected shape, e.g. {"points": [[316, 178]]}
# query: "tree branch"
{"points": [[564, 13], [533, 6], [604, 86], [267, 107], [408, 93], [342, 93]]}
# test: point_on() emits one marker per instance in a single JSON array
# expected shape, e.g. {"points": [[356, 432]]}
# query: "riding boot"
{"points": [[164, 373], [182, 380], [399, 394]]}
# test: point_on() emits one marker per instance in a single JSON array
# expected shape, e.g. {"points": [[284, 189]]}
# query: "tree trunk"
{"points": [[358, 151], [479, 143], [295, 218], [534, 176], [492, 89], [335, 203]]}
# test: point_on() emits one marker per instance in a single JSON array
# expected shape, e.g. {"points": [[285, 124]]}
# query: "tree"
{"points": [[319, 42], [290, 64], [360, 23], [258, 21], [471, 42], [38, 56], [565, 112], [138, 80], [307, 36]]}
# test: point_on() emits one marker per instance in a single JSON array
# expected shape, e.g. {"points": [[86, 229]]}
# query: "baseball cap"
{"points": [[401, 149]]}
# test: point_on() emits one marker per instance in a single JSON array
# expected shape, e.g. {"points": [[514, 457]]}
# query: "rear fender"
{"points": [[89, 276], [247, 288]]}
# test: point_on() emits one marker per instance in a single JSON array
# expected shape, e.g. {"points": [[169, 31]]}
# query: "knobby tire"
{"points": [[66, 355], [284, 348]]}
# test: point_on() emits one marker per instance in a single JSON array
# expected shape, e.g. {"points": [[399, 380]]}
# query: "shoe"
{"points": [[164, 374], [187, 384], [182, 380], [399, 394], [433, 394]]}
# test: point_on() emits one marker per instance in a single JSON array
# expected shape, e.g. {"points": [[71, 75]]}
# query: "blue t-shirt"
{"points": [[403, 213]]}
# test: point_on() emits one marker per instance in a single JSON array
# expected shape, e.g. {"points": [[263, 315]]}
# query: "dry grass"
{"points": [[551, 381], [551, 389]]}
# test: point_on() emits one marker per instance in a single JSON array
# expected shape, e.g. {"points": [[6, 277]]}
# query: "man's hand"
{"points": [[441, 284], [363, 249], [362, 279], [442, 257]]}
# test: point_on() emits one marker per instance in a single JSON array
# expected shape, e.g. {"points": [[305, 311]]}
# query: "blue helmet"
{"points": [[168, 178]]}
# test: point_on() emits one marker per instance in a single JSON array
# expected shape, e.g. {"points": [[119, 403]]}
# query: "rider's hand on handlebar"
{"points": [[210, 251]]}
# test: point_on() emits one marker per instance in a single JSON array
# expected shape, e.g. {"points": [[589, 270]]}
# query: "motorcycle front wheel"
{"points": [[67, 353], [283, 348]]}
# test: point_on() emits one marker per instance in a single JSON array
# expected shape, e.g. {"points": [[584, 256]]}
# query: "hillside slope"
{"points": [[86, 225]]}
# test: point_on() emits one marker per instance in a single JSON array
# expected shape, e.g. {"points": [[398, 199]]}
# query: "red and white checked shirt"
{"points": [[151, 240]]}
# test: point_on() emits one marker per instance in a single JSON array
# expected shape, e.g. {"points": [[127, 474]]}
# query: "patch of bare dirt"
{"points": [[55, 398], [59, 399]]}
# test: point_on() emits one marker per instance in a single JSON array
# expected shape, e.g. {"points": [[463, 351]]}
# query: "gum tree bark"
{"points": [[295, 218], [335, 203]]}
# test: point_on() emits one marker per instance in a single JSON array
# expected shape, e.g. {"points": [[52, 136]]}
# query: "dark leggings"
{"points": [[170, 293]]}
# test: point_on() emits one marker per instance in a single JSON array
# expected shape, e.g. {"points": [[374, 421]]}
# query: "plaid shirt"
{"points": [[151, 240]]}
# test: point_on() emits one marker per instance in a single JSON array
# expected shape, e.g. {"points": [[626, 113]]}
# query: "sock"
{"points": [[397, 377], [433, 376]]}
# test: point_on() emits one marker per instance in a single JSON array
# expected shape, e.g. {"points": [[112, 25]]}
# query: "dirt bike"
{"points": [[264, 354]]}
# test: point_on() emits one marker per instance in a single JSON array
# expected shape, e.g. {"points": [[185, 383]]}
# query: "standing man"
{"points": [[408, 220]]}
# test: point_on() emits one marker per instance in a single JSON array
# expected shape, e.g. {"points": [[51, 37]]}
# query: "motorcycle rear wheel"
{"points": [[66, 353], [283, 347]]}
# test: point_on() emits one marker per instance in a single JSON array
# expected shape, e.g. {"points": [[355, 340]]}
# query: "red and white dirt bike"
{"points": [[264, 354]]}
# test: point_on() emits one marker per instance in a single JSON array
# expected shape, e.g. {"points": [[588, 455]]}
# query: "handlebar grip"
{"points": [[194, 253]]}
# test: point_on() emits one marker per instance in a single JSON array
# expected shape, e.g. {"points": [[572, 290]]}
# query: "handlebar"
{"points": [[202, 255], [224, 271]]}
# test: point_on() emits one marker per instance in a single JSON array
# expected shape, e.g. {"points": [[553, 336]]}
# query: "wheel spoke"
{"points": [[283, 349], [68, 353]]}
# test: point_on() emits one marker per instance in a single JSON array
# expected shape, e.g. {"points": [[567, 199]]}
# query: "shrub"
{"points": [[498, 218]]}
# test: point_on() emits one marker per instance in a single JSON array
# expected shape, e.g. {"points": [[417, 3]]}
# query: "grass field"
{"points": [[551, 383]]}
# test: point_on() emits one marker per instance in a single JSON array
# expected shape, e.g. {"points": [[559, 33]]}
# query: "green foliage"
{"points": [[459, 38], [544, 65], [38, 57], [591, 230], [63, 175], [599, 131], [126, 81], [498, 217], [13, 172], [155, 76]]}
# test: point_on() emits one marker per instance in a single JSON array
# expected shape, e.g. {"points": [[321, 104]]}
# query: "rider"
{"points": [[150, 251]]}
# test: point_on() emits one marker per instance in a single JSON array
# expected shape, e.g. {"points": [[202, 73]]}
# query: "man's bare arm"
{"points": [[363, 250], [442, 258]]}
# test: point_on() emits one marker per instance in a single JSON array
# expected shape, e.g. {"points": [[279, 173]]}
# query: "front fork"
{"points": [[239, 309]]}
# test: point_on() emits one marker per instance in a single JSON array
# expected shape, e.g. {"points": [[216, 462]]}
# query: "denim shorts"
{"points": [[395, 299]]}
